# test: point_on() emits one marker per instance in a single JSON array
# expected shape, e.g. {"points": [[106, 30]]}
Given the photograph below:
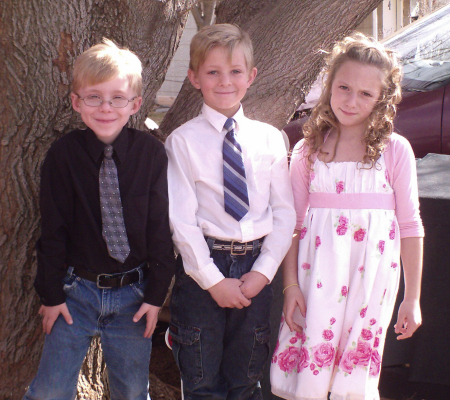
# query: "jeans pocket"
{"points": [[70, 281], [260, 352], [139, 289], [187, 352]]}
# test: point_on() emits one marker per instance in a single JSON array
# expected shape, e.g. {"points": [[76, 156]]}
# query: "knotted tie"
{"points": [[234, 181], [114, 231]]}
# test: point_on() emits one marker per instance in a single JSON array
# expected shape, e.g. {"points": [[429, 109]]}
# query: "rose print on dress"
{"points": [[332, 321], [303, 232], [343, 294], [380, 246], [323, 355], [319, 284], [342, 225], [376, 342], [373, 321], [318, 242], [362, 312], [392, 231], [394, 265], [366, 334], [340, 186], [328, 334], [293, 360], [359, 235], [375, 363]]}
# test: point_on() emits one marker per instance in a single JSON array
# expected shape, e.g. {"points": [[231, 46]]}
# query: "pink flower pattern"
{"points": [[306, 266], [303, 232], [366, 334], [323, 354], [317, 241], [298, 354], [327, 334], [340, 187], [359, 235], [293, 359], [392, 231], [342, 226], [375, 363], [362, 313], [381, 246]]}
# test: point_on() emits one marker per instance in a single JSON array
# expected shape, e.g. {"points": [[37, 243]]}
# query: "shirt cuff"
{"points": [[206, 277], [266, 265]]}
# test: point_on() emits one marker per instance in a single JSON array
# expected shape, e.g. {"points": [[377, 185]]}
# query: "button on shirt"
{"points": [[196, 206], [71, 231]]}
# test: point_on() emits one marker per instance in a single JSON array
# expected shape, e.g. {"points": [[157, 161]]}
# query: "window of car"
{"points": [[424, 50]]}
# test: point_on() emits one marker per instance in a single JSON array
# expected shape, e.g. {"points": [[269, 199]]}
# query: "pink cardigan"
{"points": [[401, 168]]}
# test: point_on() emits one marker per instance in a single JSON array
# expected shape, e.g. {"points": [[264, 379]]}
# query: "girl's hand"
{"points": [[409, 319], [293, 297]]}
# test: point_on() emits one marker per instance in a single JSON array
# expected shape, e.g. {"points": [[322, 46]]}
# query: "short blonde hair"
{"points": [[219, 35], [105, 61], [365, 51]]}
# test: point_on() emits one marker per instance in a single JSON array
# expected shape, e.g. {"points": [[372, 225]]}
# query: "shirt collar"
{"points": [[217, 119], [96, 147]]}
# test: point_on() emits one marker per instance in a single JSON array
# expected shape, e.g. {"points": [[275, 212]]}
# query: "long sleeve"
{"points": [[281, 203], [160, 248], [300, 179], [56, 200], [401, 163], [183, 205]]}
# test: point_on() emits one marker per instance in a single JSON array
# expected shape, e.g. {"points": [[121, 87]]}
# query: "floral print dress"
{"points": [[348, 273]]}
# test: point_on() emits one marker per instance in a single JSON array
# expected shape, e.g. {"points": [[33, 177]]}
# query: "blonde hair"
{"points": [[224, 35], [105, 61], [366, 51]]}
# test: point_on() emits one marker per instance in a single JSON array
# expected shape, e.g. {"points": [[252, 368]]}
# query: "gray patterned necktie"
{"points": [[114, 231]]}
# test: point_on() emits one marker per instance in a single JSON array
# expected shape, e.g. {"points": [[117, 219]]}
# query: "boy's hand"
{"points": [[151, 313], [293, 297], [51, 313], [227, 293], [252, 283]]}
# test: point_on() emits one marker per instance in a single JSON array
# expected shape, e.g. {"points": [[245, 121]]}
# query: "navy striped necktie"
{"points": [[234, 180]]}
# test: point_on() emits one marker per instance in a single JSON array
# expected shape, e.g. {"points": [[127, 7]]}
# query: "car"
{"points": [[423, 116]]}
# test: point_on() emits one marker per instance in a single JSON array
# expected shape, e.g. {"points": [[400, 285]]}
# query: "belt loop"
{"points": [[210, 242], [255, 248]]}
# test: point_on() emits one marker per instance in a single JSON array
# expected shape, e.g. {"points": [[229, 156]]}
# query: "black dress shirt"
{"points": [[71, 222]]}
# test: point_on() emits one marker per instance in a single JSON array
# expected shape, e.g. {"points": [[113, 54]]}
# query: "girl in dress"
{"points": [[341, 274]]}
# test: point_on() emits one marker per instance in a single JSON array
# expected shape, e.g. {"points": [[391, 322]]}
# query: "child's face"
{"points": [[355, 90], [223, 82], [105, 120]]}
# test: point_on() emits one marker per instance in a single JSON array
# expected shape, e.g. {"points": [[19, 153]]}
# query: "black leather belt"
{"points": [[234, 247], [109, 281]]}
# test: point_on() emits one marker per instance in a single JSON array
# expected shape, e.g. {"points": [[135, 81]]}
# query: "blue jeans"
{"points": [[107, 313], [220, 352]]}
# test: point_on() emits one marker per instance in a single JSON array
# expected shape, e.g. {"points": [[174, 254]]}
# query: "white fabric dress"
{"points": [[348, 271]]}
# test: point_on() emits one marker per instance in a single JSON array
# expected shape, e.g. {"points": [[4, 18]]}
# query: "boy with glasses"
{"points": [[105, 256]]}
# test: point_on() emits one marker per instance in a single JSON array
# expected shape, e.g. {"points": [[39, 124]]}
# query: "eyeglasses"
{"points": [[96, 101]]}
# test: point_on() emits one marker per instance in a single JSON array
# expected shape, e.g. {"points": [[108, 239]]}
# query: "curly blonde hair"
{"points": [[367, 51]]}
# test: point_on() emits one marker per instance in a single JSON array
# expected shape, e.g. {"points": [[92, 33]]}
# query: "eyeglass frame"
{"points": [[107, 101]]}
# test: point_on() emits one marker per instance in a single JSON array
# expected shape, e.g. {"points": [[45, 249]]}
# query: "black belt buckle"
{"points": [[238, 248], [106, 276]]}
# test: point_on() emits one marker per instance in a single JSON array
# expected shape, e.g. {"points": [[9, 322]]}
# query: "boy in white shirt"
{"points": [[232, 217]]}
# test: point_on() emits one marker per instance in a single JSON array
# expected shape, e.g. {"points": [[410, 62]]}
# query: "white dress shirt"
{"points": [[196, 195]]}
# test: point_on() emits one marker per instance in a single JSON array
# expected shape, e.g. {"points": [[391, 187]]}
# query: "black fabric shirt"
{"points": [[71, 222]]}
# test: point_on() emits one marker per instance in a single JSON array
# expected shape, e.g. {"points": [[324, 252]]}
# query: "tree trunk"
{"points": [[287, 36], [39, 43]]}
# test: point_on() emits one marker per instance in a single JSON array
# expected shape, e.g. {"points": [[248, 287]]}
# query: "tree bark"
{"points": [[40, 40], [287, 36]]}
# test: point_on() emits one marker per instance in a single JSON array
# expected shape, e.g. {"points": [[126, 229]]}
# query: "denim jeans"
{"points": [[220, 352], [107, 313]]}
